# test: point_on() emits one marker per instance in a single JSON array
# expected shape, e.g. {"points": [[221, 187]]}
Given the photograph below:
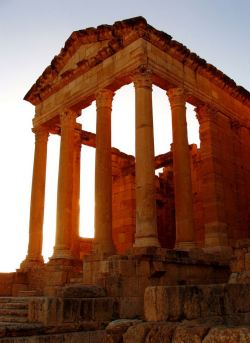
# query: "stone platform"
{"points": [[126, 277]]}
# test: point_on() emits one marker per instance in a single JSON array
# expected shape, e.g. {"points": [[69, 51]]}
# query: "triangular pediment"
{"points": [[84, 53], [87, 48]]}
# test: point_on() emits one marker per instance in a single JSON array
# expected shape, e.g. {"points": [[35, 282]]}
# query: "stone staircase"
{"points": [[13, 310]]}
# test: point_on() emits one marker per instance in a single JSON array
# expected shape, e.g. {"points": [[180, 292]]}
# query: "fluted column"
{"points": [[34, 255], [65, 187], [182, 171], [103, 174], [76, 192], [212, 178], [146, 223]]}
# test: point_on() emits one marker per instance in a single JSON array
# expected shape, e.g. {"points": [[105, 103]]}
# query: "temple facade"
{"points": [[92, 66], [171, 253]]}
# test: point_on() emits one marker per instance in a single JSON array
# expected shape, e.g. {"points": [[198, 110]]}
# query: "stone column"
{"points": [[182, 171], [76, 192], [62, 249], [212, 179], [146, 222], [34, 255], [103, 174]]}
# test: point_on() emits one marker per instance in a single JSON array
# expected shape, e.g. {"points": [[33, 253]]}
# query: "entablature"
{"points": [[107, 57]]}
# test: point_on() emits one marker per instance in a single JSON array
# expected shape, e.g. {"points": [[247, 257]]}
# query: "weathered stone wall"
{"points": [[233, 144], [124, 199], [123, 170], [165, 208], [6, 282]]}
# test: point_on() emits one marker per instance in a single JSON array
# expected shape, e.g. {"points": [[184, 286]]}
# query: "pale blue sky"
{"points": [[32, 32]]}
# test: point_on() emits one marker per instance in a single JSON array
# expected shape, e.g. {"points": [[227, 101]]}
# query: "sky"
{"points": [[33, 31]]}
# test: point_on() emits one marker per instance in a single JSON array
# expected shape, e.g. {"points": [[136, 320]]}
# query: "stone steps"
{"points": [[12, 300], [13, 310], [27, 294], [13, 319], [17, 312], [13, 305]]}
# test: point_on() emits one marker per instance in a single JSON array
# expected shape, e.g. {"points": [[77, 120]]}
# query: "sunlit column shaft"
{"points": [[182, 171], [103, 174], [146, 224]]}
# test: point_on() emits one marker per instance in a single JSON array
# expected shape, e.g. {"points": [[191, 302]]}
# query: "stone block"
{"points": [[130, 307], [240, 278], [142, 268], [17, 288], [48, 311], [116, 329], [190, 334], [120, 326], [172, 303], [247, 262], [124, 267], [104, 309], [130, 287], [229, 335], [37, 310], [238, 261], [72, 337], [113, 285], [237, 298], [57, 278], [161, 333], [81, 291], [162, 303], [211, 300], [6, 282], [137, 333]]}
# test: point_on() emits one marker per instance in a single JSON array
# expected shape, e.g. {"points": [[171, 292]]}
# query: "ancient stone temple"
{"points": [[171, 253]]}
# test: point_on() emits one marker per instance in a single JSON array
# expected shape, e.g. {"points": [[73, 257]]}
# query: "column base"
{"points": [[65, 254], [102, 249], [31, 263], [186, 246], [144, 242], [216, 235], [219, 250]]}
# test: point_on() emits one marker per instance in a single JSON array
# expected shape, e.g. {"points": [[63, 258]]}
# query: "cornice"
{"points": [[118, 36]]}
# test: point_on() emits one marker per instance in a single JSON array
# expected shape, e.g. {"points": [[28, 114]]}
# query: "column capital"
{"points": [[177, 96], [142, 78], [41, 132], [68, 117], [206, 112], [104, 98]]}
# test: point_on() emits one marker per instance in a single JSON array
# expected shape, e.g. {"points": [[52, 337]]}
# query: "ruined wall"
{"points": [[123, 208], [6, 282], [198, 210], [226, 157], [124, 216], [235, 151], [165, 208]]}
